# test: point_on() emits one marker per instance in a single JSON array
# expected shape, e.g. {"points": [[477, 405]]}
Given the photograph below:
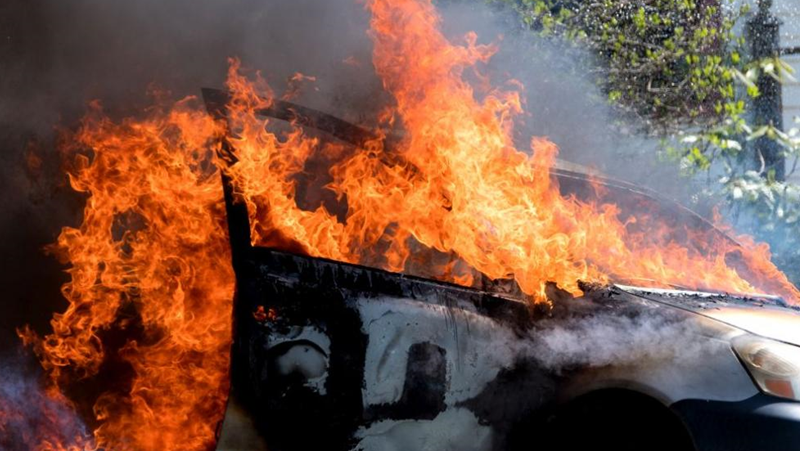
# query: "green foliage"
{"points": [[665, 64]]}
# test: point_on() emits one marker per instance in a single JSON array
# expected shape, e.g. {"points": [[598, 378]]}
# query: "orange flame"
{"points": [[151, 284], [149, 263], [463, 189]]}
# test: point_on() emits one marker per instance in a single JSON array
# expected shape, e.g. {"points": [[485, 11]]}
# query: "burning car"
{"points": [[345, 356], [421, 280]]}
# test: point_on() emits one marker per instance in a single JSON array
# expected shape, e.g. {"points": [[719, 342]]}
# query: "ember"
{"points": [[450, 198]]}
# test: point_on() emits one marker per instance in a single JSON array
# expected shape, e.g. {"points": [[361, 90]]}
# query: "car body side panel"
{"points": [[440, 371], [712, 373], [474, 349]]}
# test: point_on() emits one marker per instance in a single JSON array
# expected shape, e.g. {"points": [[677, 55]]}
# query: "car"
{"points": [[336, 356]]}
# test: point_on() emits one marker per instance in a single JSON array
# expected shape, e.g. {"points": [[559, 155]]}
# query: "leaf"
{"points": [[746, 79], [786, 70], [731, 144], [761, 131]]}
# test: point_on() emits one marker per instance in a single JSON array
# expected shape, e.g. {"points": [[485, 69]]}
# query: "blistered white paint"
{"points": [[309, 362], [455, 429], [303, 358], [477, 348], [691, 359], [310, 333]]}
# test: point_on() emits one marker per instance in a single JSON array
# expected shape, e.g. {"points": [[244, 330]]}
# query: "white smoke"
{"points": [[609, 338], [29, 417]]}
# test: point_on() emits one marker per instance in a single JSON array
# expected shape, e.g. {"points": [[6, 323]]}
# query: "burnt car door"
{"points": [[343, 356]]}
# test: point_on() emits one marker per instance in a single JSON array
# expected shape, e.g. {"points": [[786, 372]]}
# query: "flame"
{"points": [[148, 323], [461, 187], [148, 319]]}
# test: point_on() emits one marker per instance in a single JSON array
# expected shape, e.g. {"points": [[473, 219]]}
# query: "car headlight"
{"points": [[774, 366]]}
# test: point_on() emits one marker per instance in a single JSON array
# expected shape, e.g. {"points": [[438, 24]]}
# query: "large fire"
{"points": [[148, 326]]}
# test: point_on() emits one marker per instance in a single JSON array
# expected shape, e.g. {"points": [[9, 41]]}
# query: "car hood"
{"points": [[764, 315]]}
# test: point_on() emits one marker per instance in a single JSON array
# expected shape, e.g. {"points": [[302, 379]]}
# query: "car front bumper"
{"points": [[760, 423]]}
